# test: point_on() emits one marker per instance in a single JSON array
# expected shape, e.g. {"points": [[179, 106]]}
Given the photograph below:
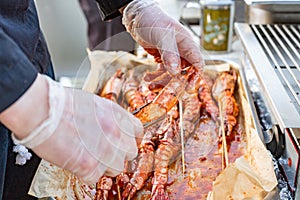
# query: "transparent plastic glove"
{"points": [[161, 35], [85, 134]]}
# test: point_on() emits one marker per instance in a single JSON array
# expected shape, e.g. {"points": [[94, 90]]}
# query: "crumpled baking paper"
{"points": [[251, 176]]}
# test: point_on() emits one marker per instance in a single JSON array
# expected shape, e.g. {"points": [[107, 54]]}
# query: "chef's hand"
{"points": [[161, 36], [81, 132]]}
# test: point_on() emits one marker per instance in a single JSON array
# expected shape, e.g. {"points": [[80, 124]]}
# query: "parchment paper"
{"points": [[251, 176]]}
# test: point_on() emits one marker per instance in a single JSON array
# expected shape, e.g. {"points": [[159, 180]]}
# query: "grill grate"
{"points": [[281, 44], [271, 51]]}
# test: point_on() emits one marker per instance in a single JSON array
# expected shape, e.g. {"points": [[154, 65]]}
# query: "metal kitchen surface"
{"points": [[271, 2], [274, 51]]}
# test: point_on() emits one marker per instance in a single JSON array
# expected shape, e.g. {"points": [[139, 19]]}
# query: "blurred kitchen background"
{"points": [[65, 27]]}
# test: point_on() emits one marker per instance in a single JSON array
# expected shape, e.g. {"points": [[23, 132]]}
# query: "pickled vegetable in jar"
{"points": [[216, 25]]}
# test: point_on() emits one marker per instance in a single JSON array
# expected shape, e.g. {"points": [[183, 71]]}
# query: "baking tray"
{"points": [[251, 162], [181, 184]]}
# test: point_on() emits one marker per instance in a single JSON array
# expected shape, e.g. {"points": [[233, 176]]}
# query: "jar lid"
{"points": [[216, 2]]}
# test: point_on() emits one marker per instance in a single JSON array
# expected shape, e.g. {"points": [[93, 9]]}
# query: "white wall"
{"points": [[64, 27]]}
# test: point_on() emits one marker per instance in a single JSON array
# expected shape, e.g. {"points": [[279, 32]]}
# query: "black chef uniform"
{"points": [[24, 54]]}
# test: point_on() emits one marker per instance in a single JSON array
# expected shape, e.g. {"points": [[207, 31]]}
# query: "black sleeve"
{"points": [[16, 72], [110, 8]]}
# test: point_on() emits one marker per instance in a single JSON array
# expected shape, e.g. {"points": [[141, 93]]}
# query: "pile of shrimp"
{"points": [[156, 94]]}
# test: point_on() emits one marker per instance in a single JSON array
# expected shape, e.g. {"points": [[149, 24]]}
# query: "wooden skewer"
{"points": [[182, 136], [119, 192], [224, 143]]}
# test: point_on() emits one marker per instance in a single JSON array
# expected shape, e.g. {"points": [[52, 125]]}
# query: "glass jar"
{"points": [[216, 25]]}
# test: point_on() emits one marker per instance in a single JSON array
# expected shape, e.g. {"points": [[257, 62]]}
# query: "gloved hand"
{"points": [[161, 36], [85, 134]]}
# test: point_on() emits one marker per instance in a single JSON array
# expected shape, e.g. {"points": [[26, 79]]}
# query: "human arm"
{"points": [[159, 34], [17, 73], [80, 132]]}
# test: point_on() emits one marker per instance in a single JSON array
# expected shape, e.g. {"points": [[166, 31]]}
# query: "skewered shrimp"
{"points": [[131, 93], [146, 154], [103, 187], [170, 145], [223, 90], [167, 97], [113, 87], [207, 99], [168, 149], [145, 163], [145, 92], [225, 82], [111, 91], [191, 112], [161, 143], [194, 82]]}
